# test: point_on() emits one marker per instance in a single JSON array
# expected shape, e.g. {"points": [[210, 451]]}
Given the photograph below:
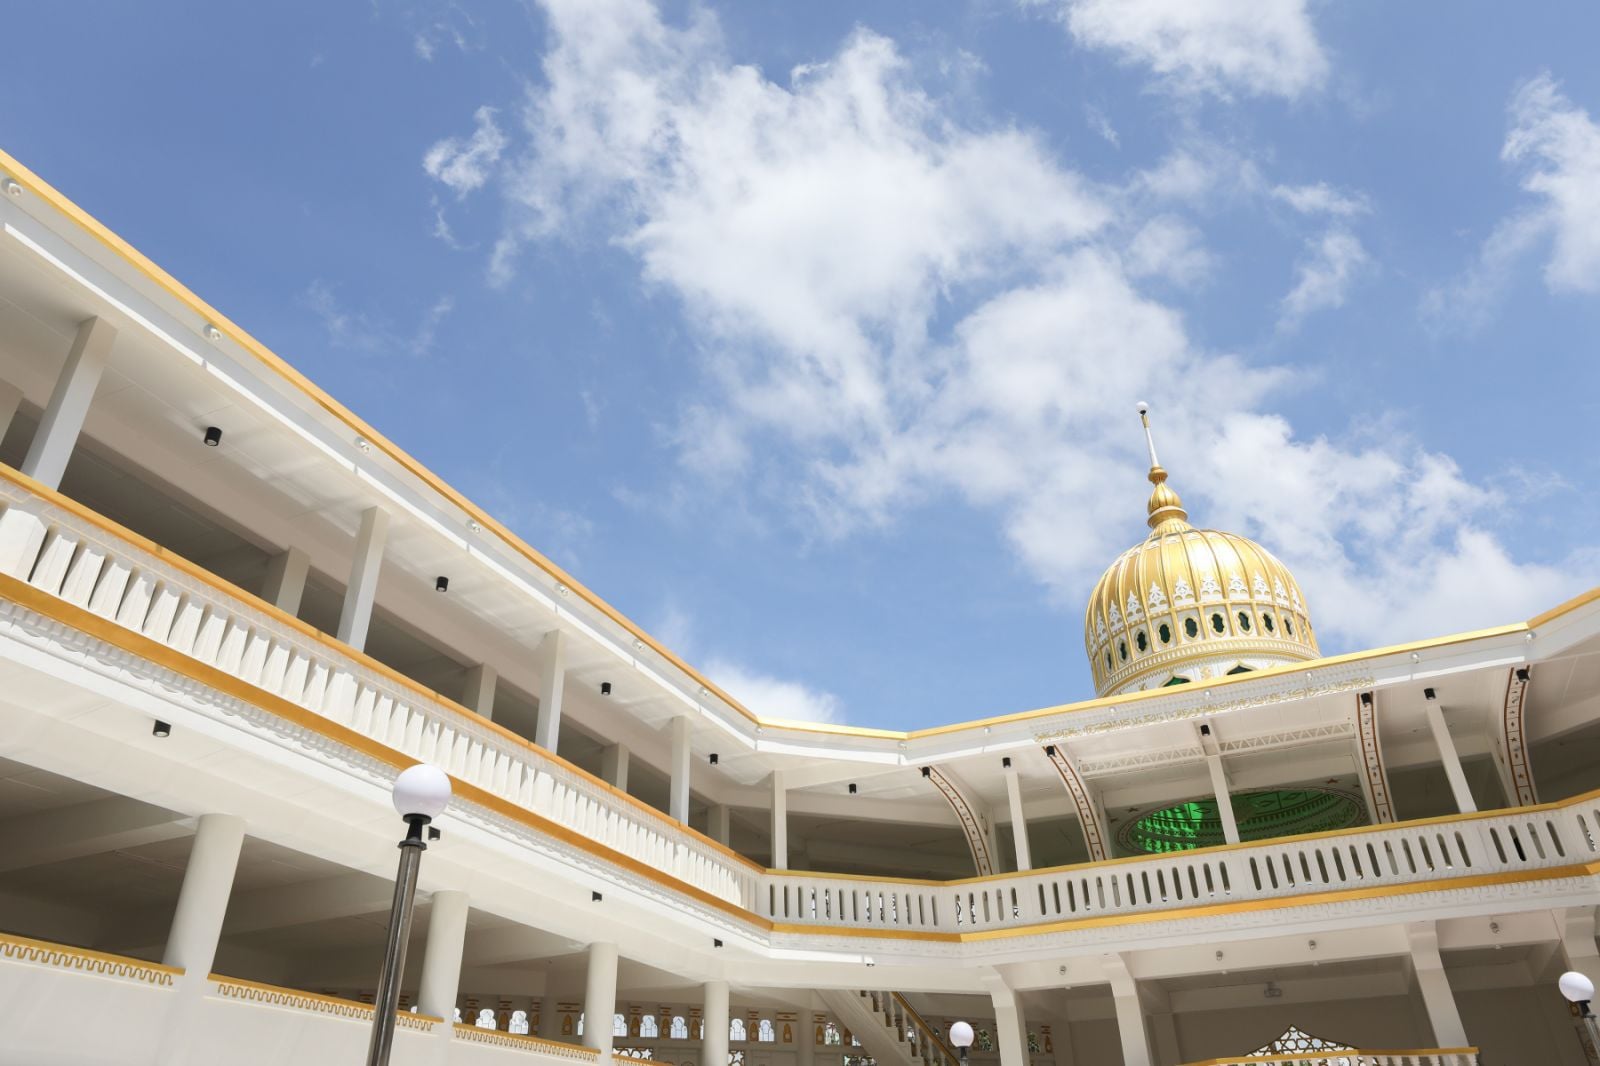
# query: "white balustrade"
{"points": [[1436, 850], [92, 564]]}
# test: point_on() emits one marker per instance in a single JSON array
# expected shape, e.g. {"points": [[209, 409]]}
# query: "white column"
{"points": [[477, 694], [1575, 927], [1219, 786], [600, 998], [1019, 824], [805, 1038], [681, 753], [1130, 1015], [203, 899], [441, 957], [1449, 757], [285, 582], [1011, 1032], [719, 824], [69, 402], [614, 759], [714, 1049], [356, 615], [552, 668], [1443, 1014], [10, 400], [780, 823]]}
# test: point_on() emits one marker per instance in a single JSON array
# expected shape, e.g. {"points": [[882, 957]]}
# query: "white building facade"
{"points": [[231, 612]]}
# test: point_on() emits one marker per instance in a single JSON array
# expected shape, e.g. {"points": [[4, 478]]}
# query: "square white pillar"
{"points": [[552, 667], [682, 750], [477, 694], [285, 582], [1448, 756], [356, 615], [1019, 824], [63, 416], [780, 822]]}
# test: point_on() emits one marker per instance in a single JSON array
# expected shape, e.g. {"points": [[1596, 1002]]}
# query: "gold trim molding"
{"points": [[60, 956], [517, 1042], [314, 1002]]}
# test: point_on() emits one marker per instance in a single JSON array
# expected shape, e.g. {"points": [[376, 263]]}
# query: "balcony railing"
{"points": [[1377, 858], [61, 547], [116, 582]]}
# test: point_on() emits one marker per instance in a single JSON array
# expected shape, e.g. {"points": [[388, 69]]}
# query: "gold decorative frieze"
{"points": [[44, 953], [516, 1042], [294, 999]]}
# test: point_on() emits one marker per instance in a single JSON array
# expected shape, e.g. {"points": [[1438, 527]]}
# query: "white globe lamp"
{"points": [[423, 791], [1575, 987], [961, 1038]]}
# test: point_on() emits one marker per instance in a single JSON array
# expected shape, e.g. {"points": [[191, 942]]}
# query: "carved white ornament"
{"points": [[1236, 586], [1158, 599], [1182, 594], [1209, 589]]}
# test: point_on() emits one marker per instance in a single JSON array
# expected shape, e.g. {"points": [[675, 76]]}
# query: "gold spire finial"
{"points": [[1166, 513]]}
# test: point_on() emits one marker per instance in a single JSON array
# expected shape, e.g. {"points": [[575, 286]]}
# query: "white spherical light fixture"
{"points": [[961, 1035], [1576, 987], [422, 791]]}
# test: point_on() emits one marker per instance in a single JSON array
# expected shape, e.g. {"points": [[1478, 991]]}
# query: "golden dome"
{"points": [[1187, 604]]}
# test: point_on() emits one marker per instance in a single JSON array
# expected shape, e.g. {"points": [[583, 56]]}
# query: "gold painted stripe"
{"points": [[534, 1043], [291, 994], [175, 289], [25, 946]]}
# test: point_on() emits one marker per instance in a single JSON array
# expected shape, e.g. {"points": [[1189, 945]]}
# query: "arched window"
{"points": [[736, 1029], [765, 1033], [580, 1024], [1294, 1041], [1191, 627], [619, 1025], [1244, 622], [1141, 641], [1122, 650], [1288, 627], [457, 1017], [1174, 680], [1164, 631], [649, 1028], [1240, 669], [1266, 620], [831, 1035], [485, 1019], [985, 1041], [1218, 624], [679, 1029], [519, 1023]]}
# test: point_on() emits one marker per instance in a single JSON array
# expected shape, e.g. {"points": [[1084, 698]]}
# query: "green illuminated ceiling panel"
{"points": [[1261, 816]]}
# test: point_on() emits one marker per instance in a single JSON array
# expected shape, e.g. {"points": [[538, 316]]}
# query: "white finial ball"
{"points": [[422, 790], [961, 1035], [1144, 408], [1576, 987]]}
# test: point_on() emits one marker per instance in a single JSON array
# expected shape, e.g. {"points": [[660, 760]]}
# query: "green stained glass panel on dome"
{"points": [[1261, 816]]}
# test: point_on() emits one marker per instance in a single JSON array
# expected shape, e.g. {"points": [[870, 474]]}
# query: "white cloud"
{"points": [[464, 165], [1323, 279], [896, 308], [1100, 122], [1558, 146], [1171, 248], [1268, 48], [1321, 199], [1562, 144], [773, 697], [359, 331]]}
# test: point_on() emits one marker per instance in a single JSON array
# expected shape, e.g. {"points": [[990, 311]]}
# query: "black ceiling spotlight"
{"points": [[1522, 673], [1205, 729], [441, 584], [213, 436], [1005, 762], [1366, 698], [594, 897], [716, 943], [1050, 750], [605, 688], [1429, 694], [927, 771], [852, 788], [713, 758], [161, 729]]}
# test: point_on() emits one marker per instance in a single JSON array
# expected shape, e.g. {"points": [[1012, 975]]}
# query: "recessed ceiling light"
{"points": [[13, 190], [475, 526], [362, 444], [562, 589], [212, 332]]}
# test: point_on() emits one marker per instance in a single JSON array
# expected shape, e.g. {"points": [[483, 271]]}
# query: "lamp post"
{"points": [[961, 1039], [421, 794], [1579, 990]]}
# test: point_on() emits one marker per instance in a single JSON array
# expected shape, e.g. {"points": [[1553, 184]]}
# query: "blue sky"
{"points": [[809, 334]]}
